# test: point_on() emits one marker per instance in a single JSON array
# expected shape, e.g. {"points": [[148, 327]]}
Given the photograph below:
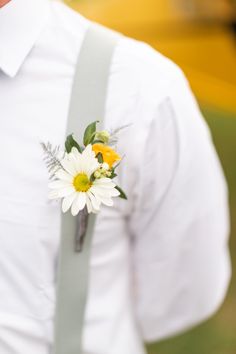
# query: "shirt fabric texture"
{"points": [[160, 260]]}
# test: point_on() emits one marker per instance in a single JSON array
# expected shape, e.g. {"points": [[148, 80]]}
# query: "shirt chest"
{"points": [[34, 109]]}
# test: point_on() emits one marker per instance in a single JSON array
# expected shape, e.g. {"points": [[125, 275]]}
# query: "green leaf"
{"points": [[113, 174], [89, 133], [122, 193], [70, 143], [99, 157], [92, 178]]}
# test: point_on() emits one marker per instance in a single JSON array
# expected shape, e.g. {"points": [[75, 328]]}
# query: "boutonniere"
{"points": [[83, 174]]}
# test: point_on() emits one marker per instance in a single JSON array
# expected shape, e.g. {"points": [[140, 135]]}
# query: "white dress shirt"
{"points": [[159, 260]]}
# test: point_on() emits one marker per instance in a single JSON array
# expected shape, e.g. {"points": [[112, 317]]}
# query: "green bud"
{"points": [[97, 174], [103, 136]]}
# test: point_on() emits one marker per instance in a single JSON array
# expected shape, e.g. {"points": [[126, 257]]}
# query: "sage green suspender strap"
{"points": [[87, 105]]}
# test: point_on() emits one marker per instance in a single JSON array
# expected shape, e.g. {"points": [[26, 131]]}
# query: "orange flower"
{"points": [[109, 155]]}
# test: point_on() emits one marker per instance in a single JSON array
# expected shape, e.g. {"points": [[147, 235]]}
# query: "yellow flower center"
{"points": [[81, 182]]}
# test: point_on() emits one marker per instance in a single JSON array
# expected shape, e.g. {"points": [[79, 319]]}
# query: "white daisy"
{"points": [[73, 183]]}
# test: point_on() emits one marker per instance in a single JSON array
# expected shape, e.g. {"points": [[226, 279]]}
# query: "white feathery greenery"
{"points": [[114, 132], [51, 158]]}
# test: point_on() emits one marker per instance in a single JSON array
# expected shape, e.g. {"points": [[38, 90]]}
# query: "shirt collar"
{"points": [[21, 22]]}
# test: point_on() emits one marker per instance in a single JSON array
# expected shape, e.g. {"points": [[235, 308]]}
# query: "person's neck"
{"points": [[3, 2]]}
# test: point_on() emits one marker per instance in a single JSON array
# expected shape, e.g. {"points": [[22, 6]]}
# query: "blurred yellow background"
{"points": [[195, 34], [200, 36]]}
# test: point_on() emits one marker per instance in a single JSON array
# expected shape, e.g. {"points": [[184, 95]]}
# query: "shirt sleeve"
{"points": [[180, 224]]}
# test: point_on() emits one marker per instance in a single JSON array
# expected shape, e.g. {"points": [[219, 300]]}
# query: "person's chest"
{"points": [[34, 108]]}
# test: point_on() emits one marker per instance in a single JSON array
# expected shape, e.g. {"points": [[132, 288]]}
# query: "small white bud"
{"points": [[105, 166], [97, 174]]}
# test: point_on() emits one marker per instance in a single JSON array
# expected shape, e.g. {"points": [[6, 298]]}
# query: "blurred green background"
{"points": [[200, 36]]}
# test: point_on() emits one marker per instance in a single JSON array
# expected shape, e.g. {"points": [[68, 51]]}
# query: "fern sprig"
{"points": [[51, 158], [114, 134]]}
